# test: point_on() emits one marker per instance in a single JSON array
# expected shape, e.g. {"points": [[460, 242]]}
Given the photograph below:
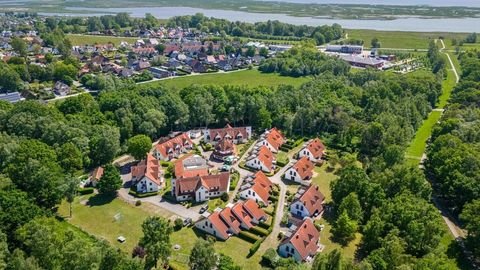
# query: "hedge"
{"points": [[281, 163], [259, 231], [142, 195], [263, 225], [249, 237], [255, 247], [84, 191]]}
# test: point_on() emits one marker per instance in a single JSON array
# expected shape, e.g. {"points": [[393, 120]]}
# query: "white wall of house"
{"points": [[208, 227], [256, 164], [146, 185], [298, 209], [306, 153], [268, 145], [292, 175], [251, 194], [159, 156], [287, 250]]}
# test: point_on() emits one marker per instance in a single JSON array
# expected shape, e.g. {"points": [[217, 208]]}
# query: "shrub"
{"points": [[224, 197], [178, 224], [280, 236], [259, 231], [270, 258], [249, 237], [84, 191], [263, 225], [254, 248], [138, 203]]}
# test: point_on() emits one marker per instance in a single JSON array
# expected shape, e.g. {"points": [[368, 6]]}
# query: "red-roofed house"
{"points": [[243, 216], [301, 171], [146, 175], [313, 150], [173, 147], [272, 139], [190, 166], [262, 159], [255, 211], [303, 244], [308, 202], [201, 188], [232, 222], [256, 188], [236, 134], [214, 225], [95, 176]]}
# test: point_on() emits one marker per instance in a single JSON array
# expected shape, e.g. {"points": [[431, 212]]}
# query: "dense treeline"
{"points": [[454, 155], [304, 62], [321, 34]]}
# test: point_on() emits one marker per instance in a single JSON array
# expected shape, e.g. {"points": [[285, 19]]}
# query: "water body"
{"points": [[436, 3], [405, 24]]}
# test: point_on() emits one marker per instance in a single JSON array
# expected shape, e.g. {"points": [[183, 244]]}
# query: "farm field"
{"points": [[78, 40], [245, 77]]}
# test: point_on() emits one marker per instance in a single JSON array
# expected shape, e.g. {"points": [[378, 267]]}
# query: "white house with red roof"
{"points": [[200, 188], [190, 165], [301, 171], [256, 187], [262, 159], [146, 175], [308, 202], [273, 139], [302, 242], [313, 150], [235, 134], [173, 148], [214, 225]]}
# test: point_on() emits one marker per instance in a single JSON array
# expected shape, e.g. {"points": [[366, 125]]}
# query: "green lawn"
{"points": [[419, 143], [325, 239], [282, 157], [97, 218], [245, 77], [90, 39], [323, 179], [398, 39]]}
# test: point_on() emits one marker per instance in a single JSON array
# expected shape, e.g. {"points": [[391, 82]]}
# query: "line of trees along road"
{"points": [[368, 113], [454, 155]]}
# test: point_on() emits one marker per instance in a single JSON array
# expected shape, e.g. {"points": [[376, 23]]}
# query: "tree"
{"points": [[375, 43], [203, 256], [71, 191], [110, 181], [331, 261], [471, 217], [344, 228], [270, 258], [104, 144], [4, 253], [19, 46], [263, 52], [139, 146], [226, 263], [156, 240], [70, 157], [160, 48], [352, 207], [18, 260]]}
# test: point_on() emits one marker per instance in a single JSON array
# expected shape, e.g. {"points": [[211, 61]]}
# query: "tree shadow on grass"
{"points": [[100, 199]]}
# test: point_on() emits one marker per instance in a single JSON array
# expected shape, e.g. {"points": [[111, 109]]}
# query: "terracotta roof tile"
{"points": [[265, 156], [253, 209], [228, 132], [312, 199], [316, 147], [148, 167], [242, 215], [232, 222], [304, 168], [178, 141], [305, 239], [219, 224], [215, 182]]}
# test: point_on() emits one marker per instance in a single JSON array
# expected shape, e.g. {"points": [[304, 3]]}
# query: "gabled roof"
{"points": [[316, 147], [97, 173], [215, 182], [219, 224], [304, 239], [149, 168], [242, 215], [275, 138], [225, 145], [312, 199], [262, 179], [265, 156], [304, 168], [253, 209], [232, 132], [232, 222], [261, 186], [178, 141]]}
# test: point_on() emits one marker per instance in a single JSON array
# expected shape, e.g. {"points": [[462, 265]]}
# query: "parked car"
{"points": [[187, 222], [203, 209]]}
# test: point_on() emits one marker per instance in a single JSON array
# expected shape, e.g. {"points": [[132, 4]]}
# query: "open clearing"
{"points": [[245, 77]]}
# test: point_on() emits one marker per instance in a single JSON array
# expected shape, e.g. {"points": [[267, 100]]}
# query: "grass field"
{"points": [[323, 179], [97, 218], [245, 77], [398, 39], [78, 40], [419, 143]]}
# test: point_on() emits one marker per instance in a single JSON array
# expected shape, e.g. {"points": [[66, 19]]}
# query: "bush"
{"points": [[138, 203], [84, 191], [281, 163], [254, 248], [270, 258], [141, 195], [263, 225], [259, 231], [224, 197], [249, 237], [178, 224]]}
